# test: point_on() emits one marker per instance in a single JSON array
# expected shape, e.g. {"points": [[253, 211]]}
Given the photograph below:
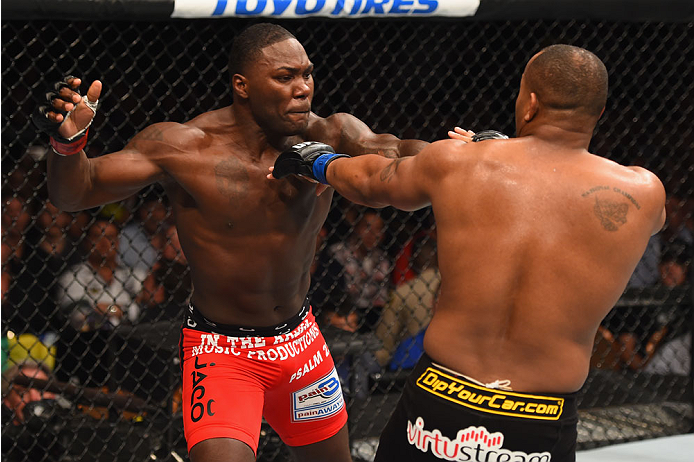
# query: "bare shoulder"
{"points": [[642, 187], [447, 157], [645, 178], [649, 185], [327, 129], [451, 153], [166, 136], [639, 179]]}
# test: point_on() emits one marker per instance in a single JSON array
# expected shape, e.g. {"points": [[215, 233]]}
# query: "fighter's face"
{"points": [[280, 88]]}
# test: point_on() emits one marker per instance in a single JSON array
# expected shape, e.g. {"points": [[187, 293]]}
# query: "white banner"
{"points": [[324, 8]]}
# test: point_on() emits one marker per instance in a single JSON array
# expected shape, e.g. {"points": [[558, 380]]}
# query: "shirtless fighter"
{"points": [[249, 346], [537, 239]]}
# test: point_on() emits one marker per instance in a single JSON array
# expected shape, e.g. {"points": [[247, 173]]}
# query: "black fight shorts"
{"points": [[442, 416]]}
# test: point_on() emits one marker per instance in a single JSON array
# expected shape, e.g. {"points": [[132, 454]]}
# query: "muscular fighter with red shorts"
{"points": [[249, 241], [232, 375]]}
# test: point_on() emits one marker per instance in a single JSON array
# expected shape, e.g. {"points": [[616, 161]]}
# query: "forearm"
{"points": [[358, 178], [68, 180]]}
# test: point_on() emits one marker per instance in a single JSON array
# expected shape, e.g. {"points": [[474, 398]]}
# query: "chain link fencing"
{"points": [[95, 358]]}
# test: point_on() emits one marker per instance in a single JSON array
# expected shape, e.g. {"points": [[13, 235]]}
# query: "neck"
{"points": [[571, 137], [255, 138]]}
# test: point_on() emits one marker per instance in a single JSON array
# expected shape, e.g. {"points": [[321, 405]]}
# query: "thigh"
{"points": [[222, 398], [309, 406], [333, 449], [221, 450]]}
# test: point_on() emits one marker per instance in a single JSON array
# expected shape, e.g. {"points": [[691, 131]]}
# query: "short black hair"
{"points": [[248, 45], [566, 77]]}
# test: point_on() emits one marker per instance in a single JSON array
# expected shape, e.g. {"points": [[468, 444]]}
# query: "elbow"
{"points": [[64, 204]]}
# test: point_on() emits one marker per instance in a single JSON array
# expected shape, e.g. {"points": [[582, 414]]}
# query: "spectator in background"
{"points": [[99, 292], [646, 273], [645, 332], [168, 286], [6, 276], [409, 310], [366, 268], [16, 217], [674, 356], [680, 219], [26, 436], [332, 304], [15, 397], [673, 268], [34, 294], [142, 239]]}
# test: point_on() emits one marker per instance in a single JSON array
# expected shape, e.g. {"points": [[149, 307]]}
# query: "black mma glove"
{"points": [[488, 135], [62, 146], [310, 159]]}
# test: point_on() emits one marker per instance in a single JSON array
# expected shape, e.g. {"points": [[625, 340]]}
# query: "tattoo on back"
{"points": [[390, 170], [611, 214]]}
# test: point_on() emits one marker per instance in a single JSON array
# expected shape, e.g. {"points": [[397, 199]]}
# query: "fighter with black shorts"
{"points": [[537, 239], [442, 414]]}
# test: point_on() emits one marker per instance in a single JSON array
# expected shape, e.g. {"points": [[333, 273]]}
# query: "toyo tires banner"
{"points": [[323, 8], [162, 10]]}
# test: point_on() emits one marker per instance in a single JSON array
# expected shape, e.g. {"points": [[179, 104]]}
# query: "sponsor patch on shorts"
{"points": [[470, 444], [322, 399], [490, 400]]}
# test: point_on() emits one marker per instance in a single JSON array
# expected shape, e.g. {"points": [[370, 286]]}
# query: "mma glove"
{"points": [[488, 135], [309, 159], [61, 145]]}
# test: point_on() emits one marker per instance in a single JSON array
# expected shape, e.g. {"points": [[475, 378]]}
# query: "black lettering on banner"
{"points": [[197, 410], [489, 400]]}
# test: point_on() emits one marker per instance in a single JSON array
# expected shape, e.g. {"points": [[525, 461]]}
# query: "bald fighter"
{"points": [[537, 239], [250, 347]]}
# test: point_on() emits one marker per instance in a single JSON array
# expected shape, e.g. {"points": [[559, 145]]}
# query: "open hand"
{"points": [[461, 134], [68, 100]]}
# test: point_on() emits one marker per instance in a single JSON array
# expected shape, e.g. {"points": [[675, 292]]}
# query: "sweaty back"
{"points": [[535, 246]]}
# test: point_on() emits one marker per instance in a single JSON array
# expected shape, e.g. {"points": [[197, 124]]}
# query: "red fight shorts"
{"points": [[233, 376]]}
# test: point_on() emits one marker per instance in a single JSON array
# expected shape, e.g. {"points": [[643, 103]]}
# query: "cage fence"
{"points": [[104, 361]]}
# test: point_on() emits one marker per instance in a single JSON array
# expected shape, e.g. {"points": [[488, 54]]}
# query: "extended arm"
{"points": [[76, 182], [375, 181], [356, 139]]}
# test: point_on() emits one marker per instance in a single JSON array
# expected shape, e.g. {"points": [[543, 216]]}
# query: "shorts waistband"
{"points": [[195, 320], [446, 384]]}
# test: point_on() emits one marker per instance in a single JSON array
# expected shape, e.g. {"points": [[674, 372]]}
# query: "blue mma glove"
{"points": [[310, 159]]}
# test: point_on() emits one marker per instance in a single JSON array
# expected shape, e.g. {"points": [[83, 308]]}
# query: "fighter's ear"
{"points": [[531, 108], [239, 85]]}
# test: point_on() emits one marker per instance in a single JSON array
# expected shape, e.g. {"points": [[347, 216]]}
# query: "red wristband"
{"points": [[68, 149]]}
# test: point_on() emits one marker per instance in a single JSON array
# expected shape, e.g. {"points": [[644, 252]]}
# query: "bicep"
{"points": [[403, 183], [125, 172], [356, 138]]}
